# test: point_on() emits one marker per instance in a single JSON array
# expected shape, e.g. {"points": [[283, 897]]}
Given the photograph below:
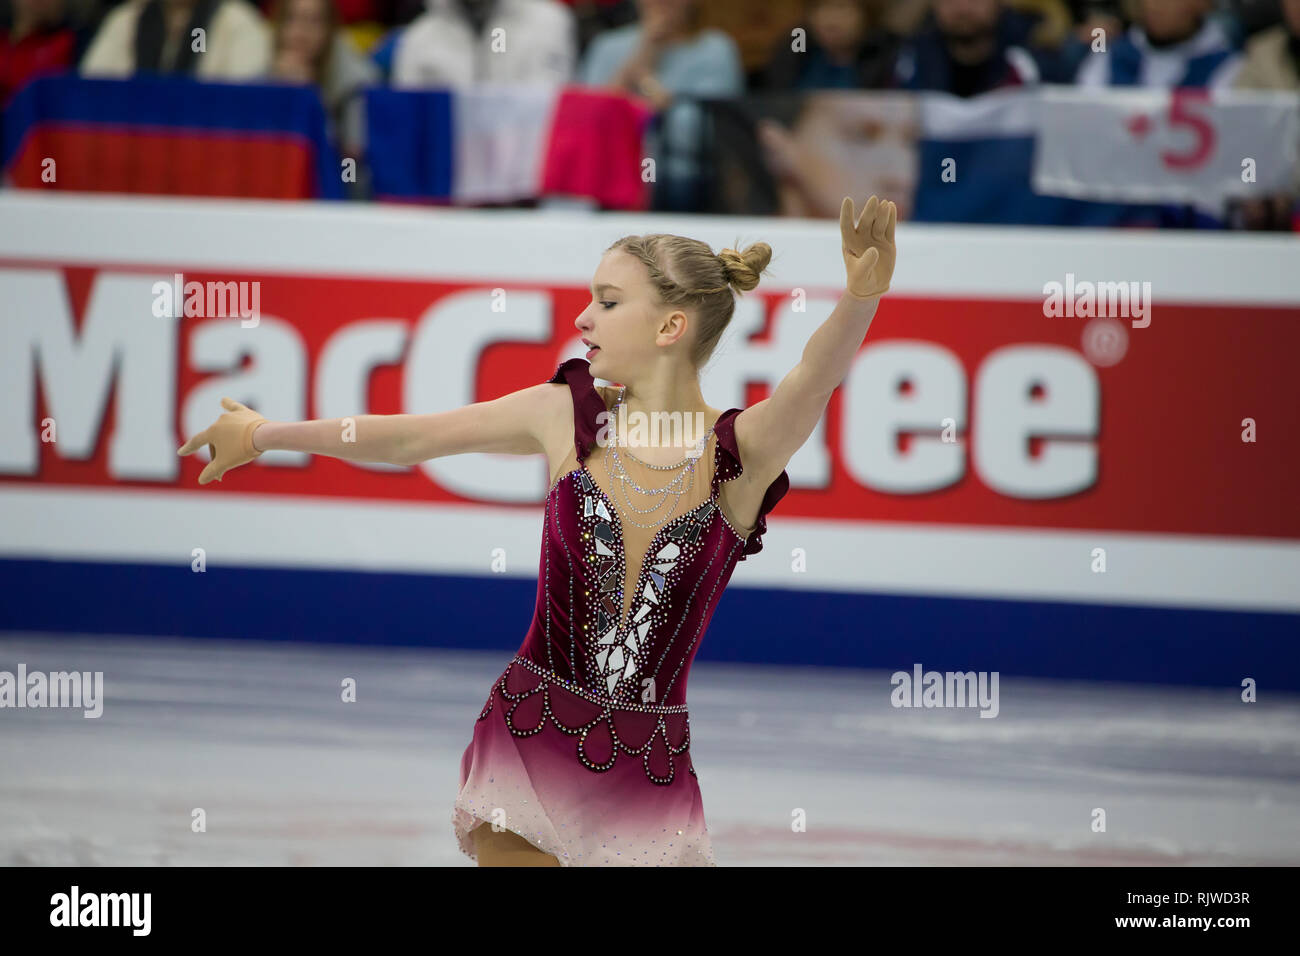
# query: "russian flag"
{"points": [[170, 136]]}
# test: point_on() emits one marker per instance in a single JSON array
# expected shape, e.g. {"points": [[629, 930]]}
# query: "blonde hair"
{"points": [[685, 272]]}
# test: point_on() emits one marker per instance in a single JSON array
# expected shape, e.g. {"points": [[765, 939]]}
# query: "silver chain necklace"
{"points": [[621, 476]]}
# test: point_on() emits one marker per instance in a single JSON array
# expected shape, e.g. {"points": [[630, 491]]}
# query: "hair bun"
{"points": [[743, 268]]}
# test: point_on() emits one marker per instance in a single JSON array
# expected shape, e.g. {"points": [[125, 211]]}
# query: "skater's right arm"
{"points": [[521, 423]]}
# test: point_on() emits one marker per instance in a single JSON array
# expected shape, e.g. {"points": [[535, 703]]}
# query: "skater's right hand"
{"points": [[229, 440]]}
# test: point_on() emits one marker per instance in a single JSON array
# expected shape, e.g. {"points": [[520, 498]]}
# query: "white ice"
{"points": [[257, 735]]}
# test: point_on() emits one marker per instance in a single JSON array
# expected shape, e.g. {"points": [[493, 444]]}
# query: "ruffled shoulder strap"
{"points": [[729, 467], [587, 403]]}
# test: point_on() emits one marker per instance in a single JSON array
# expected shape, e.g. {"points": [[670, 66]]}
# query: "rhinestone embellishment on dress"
{"points": [[619, 655], [657, 743]]}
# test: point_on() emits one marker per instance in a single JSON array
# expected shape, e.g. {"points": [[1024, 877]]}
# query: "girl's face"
{"points": [[625, 321], [837, 24], [1173, 19], [306, 29]]}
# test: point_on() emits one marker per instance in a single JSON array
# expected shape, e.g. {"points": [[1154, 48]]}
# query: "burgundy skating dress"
{"points": [[582, 747]]}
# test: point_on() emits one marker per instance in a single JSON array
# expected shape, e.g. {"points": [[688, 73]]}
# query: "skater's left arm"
{"points": [[771, 431]]}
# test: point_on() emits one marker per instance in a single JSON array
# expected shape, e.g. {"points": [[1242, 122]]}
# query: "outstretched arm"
{"points": [[512, 424], [516, 424], [771, 431]]}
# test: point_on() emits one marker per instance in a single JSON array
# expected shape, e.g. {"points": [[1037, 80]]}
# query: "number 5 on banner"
{"points": [[1181, 116]]}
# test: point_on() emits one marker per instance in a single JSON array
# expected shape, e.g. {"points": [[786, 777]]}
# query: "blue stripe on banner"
{"points": [[410, 136], [993, 185], [177, 103], [1037, 639]]}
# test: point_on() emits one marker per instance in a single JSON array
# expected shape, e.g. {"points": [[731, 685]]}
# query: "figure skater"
{"points": [[581, 753]]}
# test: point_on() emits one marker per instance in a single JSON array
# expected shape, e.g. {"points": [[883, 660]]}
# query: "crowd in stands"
{"points": [[664, 51]]}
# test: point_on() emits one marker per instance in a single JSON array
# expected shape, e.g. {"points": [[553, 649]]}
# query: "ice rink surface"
{"points": [[287, 773]]}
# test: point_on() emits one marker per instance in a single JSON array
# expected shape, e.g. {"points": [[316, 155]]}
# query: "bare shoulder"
{"points": [[555, 412], [540, 406]]}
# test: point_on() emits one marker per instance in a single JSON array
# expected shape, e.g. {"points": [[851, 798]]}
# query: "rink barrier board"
{"points": [[1204, 541], [1041, 639]]}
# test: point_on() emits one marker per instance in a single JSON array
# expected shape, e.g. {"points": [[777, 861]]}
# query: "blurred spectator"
{"points": [[596, 16], [381, 54], [1172, 43], [159, 36], [1092, 15], [844, 49], [668, 58], [38, 41], [755, 28], [1052, 21], [311, 48], [1248, 17], [1272, 62], [1054, 38], [464, 42], [905, 18], [665, 54], [973, 46]]}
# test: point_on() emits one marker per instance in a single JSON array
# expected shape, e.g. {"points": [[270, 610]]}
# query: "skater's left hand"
{"points": [[869, 250]]}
